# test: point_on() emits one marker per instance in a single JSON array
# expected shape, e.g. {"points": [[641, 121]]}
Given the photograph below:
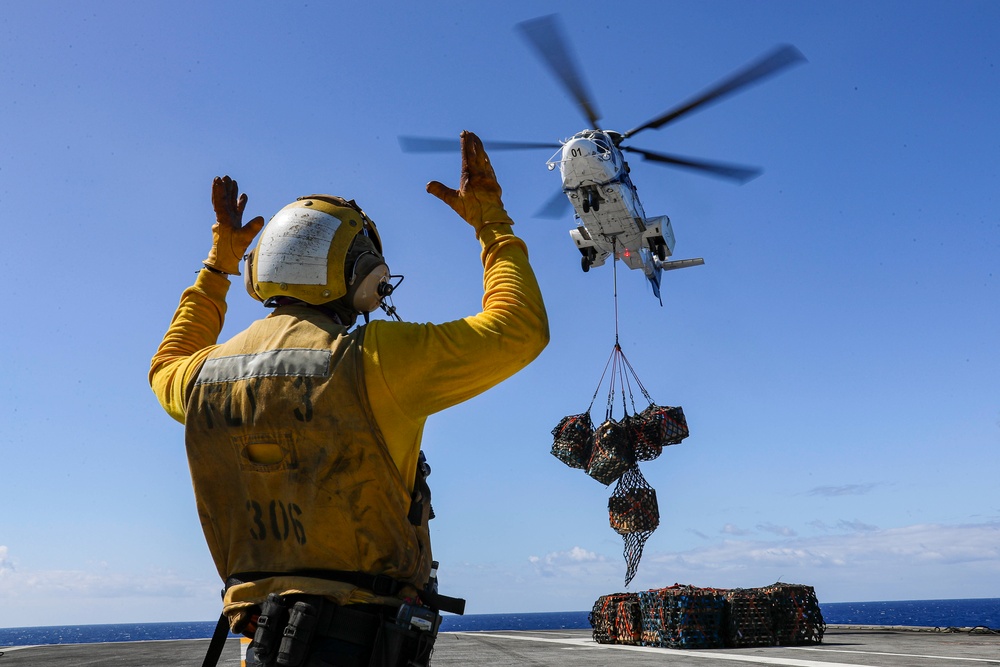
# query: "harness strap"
{"points": [[218, 642]]}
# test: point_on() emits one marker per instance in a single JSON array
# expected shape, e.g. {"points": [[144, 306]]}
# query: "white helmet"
{"points": [[302, 253]]}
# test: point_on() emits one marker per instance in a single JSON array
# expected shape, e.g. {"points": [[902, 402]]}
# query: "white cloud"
{"points": [[576, 561], [843, 490], [923, 560], [579, 554], [83, 583], [783, 531], [953, 545], [850, 561], [844, 526], [94, 593], [867, 563], [5, 564]]}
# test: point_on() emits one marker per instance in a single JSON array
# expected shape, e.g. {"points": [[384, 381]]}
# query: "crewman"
{"points": [[303, 432]]}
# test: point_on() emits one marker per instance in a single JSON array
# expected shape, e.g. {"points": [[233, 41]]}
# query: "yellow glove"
{"points": [[230, 237], [478, 198]]}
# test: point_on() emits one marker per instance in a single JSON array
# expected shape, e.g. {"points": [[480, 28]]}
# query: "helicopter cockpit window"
{"points": [[603, 147]]}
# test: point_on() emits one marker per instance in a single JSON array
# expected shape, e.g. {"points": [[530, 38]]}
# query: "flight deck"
{"points": [[842, 646]]}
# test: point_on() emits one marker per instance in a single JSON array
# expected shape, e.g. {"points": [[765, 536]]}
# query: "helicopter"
{"points": [[596, 178]]}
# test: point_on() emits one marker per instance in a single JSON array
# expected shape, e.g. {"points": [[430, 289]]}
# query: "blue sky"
{"points": [[836, 356]]}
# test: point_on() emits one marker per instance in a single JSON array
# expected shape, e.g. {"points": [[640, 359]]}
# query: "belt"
{"points": [[379, 584], [355, 624]]}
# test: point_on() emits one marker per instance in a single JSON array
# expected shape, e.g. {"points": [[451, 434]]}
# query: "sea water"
{"points": [[984, 612]]}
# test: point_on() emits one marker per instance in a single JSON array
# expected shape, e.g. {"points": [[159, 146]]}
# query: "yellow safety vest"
{"points": [[290, 470]]}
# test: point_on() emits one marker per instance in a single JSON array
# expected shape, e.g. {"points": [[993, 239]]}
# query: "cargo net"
{"points": [[616, 619], [611, 452], [750, 621], [780, 614], [607, 451], [573, 440], [797, 616], [654, 428], [682, 617], [691, 617], [633, 514]]}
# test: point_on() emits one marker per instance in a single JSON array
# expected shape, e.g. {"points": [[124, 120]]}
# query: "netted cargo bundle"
{"points": [[750, 618], [611, 452], [657, 623], [633, 514], [635, 511], [573, 440], [643, 446], [682, 617], [656, 427], [616, 619], [797, 616], [699, 618], [611, 455]]}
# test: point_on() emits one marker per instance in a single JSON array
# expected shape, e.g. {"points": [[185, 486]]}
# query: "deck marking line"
{"points": [[786, 662], [898, 655]]}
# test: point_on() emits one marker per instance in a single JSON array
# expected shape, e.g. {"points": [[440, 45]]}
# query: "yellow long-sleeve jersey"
{"points": [[411, 370]]}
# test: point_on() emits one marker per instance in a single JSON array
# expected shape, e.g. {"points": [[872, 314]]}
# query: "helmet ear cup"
{"points": [[248, 275], [370, 271]]}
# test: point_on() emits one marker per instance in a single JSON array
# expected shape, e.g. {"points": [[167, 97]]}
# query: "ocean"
{"points": [[984, 612]]}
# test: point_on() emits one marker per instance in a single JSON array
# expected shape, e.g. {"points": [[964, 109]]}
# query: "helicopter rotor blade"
{"points": [[732, 172], [555, 207], [441, 145], [545, 35], [768, 64]]}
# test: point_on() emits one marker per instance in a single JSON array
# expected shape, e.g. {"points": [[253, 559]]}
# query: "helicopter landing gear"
{"points": [[659, 248], [588, 258], [591, 200]]}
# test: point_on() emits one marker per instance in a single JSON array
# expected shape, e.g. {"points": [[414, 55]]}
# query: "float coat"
{"points": [[290, 470]]}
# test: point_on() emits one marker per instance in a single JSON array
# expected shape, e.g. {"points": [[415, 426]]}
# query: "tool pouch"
{"points": [[402, 647], [270, 626], [409, 640], [297, 635]]}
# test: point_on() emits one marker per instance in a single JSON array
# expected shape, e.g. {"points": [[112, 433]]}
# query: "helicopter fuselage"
{"points": [[596, 180], [595, 177]]}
